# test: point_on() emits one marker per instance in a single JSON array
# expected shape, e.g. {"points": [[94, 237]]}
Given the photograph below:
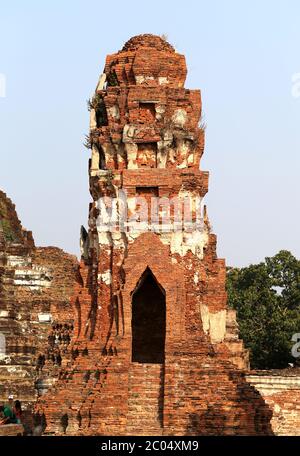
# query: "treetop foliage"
{"points": [[266, 297]]}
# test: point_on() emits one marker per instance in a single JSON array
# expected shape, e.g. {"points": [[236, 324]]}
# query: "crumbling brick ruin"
{"points": [[35, 289], [157, 349], [281, 391], [137, 338]]}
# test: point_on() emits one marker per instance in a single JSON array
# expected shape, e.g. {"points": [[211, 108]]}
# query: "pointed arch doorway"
{"points": [[148, 320]]}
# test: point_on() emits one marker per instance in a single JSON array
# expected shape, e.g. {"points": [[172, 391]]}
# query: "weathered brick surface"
{"points": [[141, 340], [280, 389], [35, 289], [11, 430], [146, 141]]}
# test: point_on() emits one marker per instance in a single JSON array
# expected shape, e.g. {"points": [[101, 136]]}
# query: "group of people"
{"points": [[11, 413]]}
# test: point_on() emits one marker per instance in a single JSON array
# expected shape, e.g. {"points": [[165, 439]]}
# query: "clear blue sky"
{"points": [[241, 54]]}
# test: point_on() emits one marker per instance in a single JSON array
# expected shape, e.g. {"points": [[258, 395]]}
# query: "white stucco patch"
{"points": [[34, 278], [163, 80], [160, 110], [190, 159], [4, 313], [161, 159], [95, 158], [114, 112], [93, 120], [179, 117], [104, 238], [2, 345], [44, 318], [277, 408], [182, 242], [196, 278], [105, 277], [131, 150], [14, 260], [141, 79], [214, 324], [217, 326], [101, 82]]}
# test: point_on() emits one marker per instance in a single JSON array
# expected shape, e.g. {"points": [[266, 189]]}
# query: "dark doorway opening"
{"points": [[148, 320]]}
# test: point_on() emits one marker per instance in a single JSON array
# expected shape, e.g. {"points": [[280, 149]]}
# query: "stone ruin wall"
{"points": [[35, 289], [281, 391]]}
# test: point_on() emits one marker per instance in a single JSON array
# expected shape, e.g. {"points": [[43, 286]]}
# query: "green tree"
{"points": [[266, 297]]}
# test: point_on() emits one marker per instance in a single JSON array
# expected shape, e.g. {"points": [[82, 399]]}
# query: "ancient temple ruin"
{"points": [[155, 349], [36, 284]]}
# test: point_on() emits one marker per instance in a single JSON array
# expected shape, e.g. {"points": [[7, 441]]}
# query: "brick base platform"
{"points": [[11, 430]]}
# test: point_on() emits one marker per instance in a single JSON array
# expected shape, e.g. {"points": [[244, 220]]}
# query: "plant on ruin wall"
{"points": [[97, 103], [112, 79], [8, 232], [5, 225], [266, 297]]}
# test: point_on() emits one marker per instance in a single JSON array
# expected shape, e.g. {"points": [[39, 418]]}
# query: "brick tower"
{"points": [[155, 349]]}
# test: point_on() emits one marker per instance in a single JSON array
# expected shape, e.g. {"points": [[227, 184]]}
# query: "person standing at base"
{"points": [[7, 415], [17, 410]]}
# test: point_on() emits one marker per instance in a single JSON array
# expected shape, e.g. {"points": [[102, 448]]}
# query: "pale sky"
{"points": [[241, 54]]}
